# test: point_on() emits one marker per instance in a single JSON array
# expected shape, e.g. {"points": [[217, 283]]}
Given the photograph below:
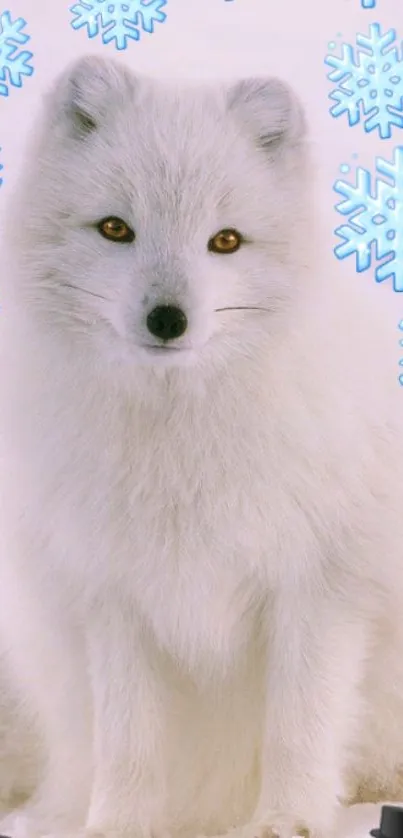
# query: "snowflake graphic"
{"points": [[117, 20], [370, 82], [375, 224], [14, 63]]}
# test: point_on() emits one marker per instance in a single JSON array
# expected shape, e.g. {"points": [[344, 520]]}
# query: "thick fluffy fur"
{"points": [[201, 582]]}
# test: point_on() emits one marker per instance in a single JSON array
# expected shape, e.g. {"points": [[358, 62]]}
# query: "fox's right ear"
{"points": [[86, 91]]}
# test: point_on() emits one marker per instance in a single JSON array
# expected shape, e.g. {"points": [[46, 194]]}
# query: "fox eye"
{"points": [[225, 241], [115, 229]]}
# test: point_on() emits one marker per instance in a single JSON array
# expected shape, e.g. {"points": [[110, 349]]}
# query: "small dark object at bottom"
{"points": [[391, 823]]}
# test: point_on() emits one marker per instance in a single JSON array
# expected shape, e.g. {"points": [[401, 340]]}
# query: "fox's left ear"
{"points": [[269, 108]]}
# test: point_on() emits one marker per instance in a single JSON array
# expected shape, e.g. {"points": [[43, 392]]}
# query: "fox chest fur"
{"points": [[180, 510], [180, 520]]}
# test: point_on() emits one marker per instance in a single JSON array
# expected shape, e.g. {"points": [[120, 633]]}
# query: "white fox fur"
{"points": [[201, 568]]}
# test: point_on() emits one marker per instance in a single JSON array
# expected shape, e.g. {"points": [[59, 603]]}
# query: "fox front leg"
{"points": [[128, 796]]}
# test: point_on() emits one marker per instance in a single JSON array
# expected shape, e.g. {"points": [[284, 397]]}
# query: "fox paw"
{"points": [[24, 825], [281, 825]]}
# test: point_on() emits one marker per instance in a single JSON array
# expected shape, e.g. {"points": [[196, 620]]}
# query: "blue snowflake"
{"points": [[14, 63], [368, 4], [117, 20], [370, 82], [375, 224]]}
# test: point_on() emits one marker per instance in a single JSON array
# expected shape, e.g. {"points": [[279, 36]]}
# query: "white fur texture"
{"points": [[201, 578]]}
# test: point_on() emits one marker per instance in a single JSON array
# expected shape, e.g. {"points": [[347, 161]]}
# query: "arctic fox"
{"points": [[201, 568]]}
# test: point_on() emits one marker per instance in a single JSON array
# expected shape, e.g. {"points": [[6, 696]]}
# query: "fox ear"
{"points": [[269, 108], [87, 91]]}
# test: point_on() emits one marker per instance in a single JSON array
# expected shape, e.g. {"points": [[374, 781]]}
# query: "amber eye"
{"points": [[226, 241], [115, 230]]}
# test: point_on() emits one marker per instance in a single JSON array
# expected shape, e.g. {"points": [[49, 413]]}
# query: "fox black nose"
{"points": [[167, 322]]}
